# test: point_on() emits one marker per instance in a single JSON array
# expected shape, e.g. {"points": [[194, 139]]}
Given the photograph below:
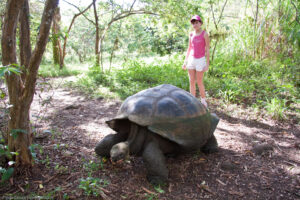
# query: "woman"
{"points": [[197, 57]]}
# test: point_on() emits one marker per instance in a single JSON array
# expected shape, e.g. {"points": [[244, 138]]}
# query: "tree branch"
{"points": [[132, 5], [222, 11], [297, 13], [212, 11], [69, 29], [80, 11], [78, 14]]}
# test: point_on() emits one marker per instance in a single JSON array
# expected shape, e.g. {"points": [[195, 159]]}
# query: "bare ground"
{"points": [[258, 159]]}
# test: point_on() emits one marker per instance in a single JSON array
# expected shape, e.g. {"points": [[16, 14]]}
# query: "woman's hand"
{"points": [[206, 68], [184, 66]]}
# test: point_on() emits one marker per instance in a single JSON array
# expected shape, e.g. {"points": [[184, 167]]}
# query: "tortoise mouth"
{"points": [[117, 162], [117, 158]]}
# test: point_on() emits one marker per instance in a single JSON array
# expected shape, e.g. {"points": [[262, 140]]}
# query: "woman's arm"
{"points": [[206, 38], [187, 53]]}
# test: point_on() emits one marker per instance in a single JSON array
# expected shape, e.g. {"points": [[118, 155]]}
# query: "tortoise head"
{"points": [[119, 125], [119, 152]]}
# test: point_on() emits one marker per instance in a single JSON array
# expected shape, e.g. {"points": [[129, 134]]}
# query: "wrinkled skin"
{"points": [[137, 140]]}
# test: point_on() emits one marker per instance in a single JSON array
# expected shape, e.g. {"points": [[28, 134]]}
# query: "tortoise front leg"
{"points": [[104, 146], [211, 145], [157, 172]]}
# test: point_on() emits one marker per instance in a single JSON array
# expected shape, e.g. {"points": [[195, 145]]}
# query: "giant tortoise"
{"points": [[158, 121]]}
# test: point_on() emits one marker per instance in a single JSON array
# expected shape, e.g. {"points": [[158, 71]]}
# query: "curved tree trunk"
{"points": [[57, 51], [21, 92]]}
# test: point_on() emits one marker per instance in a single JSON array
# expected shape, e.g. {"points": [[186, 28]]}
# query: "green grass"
{"points": [[92, 186], [54, 71], [136, 75]]}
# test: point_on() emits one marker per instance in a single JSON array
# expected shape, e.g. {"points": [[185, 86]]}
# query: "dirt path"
{"points": [[257, 160]]}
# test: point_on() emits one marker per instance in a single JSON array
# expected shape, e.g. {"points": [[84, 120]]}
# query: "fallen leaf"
{"points": [[40, 182], [170, 187], [284, 133], [148, 191], [106, 191], [236, 193], [222, 183], [11, 180], [21, 188], [249, 152], [205, 187]]}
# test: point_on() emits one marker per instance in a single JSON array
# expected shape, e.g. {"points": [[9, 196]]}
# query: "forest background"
{"points": [[128, 46], [113, 49]]}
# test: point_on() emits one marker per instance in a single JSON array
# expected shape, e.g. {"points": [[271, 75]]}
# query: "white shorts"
{"points": [[196, 63]]}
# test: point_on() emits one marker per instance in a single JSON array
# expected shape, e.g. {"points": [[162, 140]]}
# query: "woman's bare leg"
{"points": [[199, 75], [192, 77]]}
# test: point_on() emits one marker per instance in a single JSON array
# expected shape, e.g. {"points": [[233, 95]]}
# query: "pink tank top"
{"points": [[197, 43]]}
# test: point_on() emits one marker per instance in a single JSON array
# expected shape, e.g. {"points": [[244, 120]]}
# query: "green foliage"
{"points": [[5, 171], [250, 81], [92, 186], [33, 149], [54, 194], [54, 71], [14, 68], [151, 196], [276, 108], [6, 174], [61, 169], [46, 161], [92, 166], [159, 189], [232, 78], [15, 132], [136, 75]]}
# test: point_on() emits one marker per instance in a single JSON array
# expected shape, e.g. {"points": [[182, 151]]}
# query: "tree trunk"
{"points": [[280, 26], [214, 49], [254, 31], [97, 40], [24, 44], [16, 122], [115, 47], [57, 51], [21, 92]]}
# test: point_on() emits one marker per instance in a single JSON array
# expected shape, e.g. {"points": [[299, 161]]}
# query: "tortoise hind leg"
{"points": [[211, 146], [157, 172], [104, 146]]}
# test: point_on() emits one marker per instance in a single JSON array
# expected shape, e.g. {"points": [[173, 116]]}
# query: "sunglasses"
{"points": [[195, 21]]}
